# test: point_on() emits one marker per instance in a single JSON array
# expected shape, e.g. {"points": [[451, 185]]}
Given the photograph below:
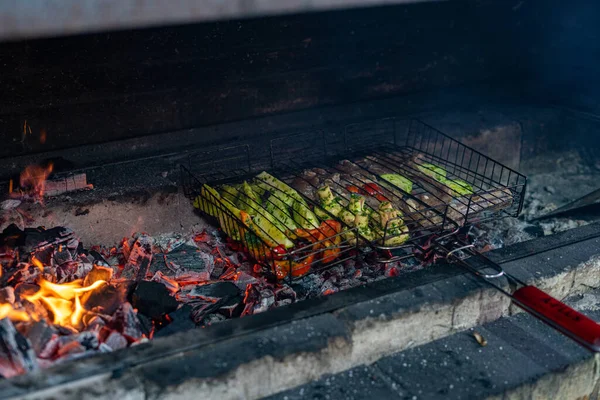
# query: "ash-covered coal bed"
{"points": [[61, 300]]}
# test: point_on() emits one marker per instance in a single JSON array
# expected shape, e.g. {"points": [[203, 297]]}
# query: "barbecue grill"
{"points": [[280, 168]]}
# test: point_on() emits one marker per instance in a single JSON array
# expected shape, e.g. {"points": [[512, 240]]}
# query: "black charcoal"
{"points": [[153, 299], [181, 320], [215, 290]]}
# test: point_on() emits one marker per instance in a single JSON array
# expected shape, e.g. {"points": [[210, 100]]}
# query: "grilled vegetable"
{"points": [[330, 229], [437, 173], [356, 204], [325, 195], [347, 217], [392, 225], [248, 200], [268, 182], [269, 233], [303, 216], [280, 213], [460, 187], [362, 223], [282, 267], [230, 193], [399, 181]]}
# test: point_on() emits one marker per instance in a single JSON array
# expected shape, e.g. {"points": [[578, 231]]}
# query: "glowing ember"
{"points": [[33, 180]]}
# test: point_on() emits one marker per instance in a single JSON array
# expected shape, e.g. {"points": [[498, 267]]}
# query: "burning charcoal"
{"points": [[211, 319], [97, 259], [168, 243], [181, 320], [153, 299], [7, 295], [116, 341], [285, 292], [190, 259], [98, 273], [39, 334], [126, 322], [199, 310], [94, 324], [16, 355], [88, 340], [71, 347], [215, 291], [242, 280], [230, 307], [62, 255], [50, 348], [170, 284], [139, 260], [267, 298], [328, 288], [106, 299]]}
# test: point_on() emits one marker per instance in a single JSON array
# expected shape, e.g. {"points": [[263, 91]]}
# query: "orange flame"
{"points": [[8, 311], [33, 179], [63, 300], [37, 263]]}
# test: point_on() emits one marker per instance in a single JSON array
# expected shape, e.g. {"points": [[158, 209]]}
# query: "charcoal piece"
{"points": [[285, 292], [200, 309], [98, 259], [106, 299], [153, 299], [267, 298], [50, 348], [71, 347], [39, 334], [116, 341], [98, 273], [139, 260], [181, 320], [61, 255], [231, 306], [94, 324], [127, 323], [242, 280], [145, 324], [89, 340], [7, 295], [215, 291], [189, 258], [16, 354], [169, 283]]}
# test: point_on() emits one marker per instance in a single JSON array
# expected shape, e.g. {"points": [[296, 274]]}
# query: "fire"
{"points": [[64, 300], [7, 311], [33, 179]]}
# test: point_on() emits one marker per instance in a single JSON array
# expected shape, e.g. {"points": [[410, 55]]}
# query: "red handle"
{"points": [[559, 315]]}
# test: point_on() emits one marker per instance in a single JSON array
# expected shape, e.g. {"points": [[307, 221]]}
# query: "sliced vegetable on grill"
{"points": [[460, 187], [399, 181], [303, 216], [432, 170]]}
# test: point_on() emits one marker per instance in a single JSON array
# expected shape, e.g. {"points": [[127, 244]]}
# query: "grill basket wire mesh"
{"points": [[230, 165], [320, 151], [410, 146], [391, 145]]}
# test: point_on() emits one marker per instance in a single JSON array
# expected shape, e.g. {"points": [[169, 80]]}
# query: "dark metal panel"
{"points": [[21, 19]]}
